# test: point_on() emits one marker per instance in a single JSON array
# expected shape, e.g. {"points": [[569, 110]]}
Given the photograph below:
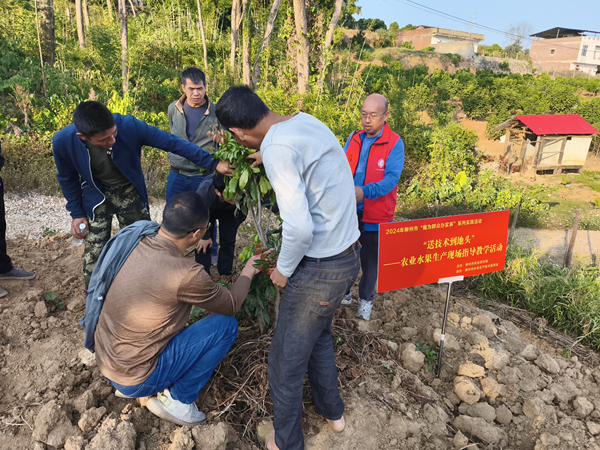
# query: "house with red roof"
{"points": [[557, 143]]}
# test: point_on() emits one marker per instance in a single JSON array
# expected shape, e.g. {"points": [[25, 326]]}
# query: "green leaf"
{"points": [[244, 179], [51, 296]]}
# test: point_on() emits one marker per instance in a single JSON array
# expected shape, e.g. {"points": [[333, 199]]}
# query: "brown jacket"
{"points": [[149, 302]]}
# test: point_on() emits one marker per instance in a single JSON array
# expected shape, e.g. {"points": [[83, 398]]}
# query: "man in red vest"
{"points": [[376, 157]]}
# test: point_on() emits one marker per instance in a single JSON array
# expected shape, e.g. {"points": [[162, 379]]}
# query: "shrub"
{"points": [[504, 65], [407, 45], [429, 49]]}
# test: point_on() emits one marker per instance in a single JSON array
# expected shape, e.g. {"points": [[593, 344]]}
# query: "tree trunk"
{"points": [[124, 46], [246, 48], [68, 11], [337, 12], [266, 39], [110, 10], [303, 45], [48, 32], [235, 12], [79, 20], [37, 27], [86, 13], [133, 8], [201, 28]]}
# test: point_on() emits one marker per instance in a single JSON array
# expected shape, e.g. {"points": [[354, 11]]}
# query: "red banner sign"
{"points": [[417, 252]]}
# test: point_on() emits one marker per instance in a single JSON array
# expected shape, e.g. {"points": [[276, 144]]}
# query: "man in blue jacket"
{"points": [[98, 158]]}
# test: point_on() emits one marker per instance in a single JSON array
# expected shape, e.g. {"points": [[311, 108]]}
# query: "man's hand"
{"points": [[75, 231], [279, 281], [224, 199], [358, 192], [256, 158], [225, 168], [249, 270], [204, 245]]}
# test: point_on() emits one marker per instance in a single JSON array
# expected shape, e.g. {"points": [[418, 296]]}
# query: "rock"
{"points": [[491, 388], [85, 401], [75, 443], [52, 426], [460, 441], [34, 294], [76, 305], [181, 439], [391, 345], [87, 357], [450, 342], [483, 410], [533, 408], [582, 407], [453, 318], [412, 359], [479, 428], [547, 363], [503, 415], [90, 418], [214, 436], [114, 434], [407, 333], [40, 310], [530, 353], [485, 324], [389, 315], [466, 390], [471, 370], [593, 428]]}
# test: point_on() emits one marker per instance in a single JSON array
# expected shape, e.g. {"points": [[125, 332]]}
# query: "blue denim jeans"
{"points": [[188, 360], [177, 183], [302, 342]]}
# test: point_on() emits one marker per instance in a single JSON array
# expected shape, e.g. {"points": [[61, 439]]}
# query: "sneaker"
{"points": [[3, 293], [364, 309], [347, 299], [167, 408], [18, 273], [337, 425]]}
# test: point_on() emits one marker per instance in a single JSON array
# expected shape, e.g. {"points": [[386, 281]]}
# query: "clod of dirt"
{"points": [[181, 439], [485, 324], [40, 310], [76, 305], [412, 359], [483, 410], [87, 357], [582, 407], [53, 426], [34, 294], [491, 388], [466, 390], [39, 446], [114, 434], [90, 418], [460, 441], [471, 370], [478, 427], [214, 436], [534, 408], [530, 353], [450, 342], [84, 402], [75, 443], [503, 415], [548, 363], [593, 428]]}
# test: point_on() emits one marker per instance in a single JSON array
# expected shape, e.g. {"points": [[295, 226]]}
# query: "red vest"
{"points": [[379, 210]]}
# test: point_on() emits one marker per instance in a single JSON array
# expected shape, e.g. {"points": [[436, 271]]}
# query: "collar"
{"points": [[179, 104]]}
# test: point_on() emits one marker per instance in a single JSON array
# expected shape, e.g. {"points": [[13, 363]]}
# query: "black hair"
{"points": [[194, 75], [184, 213], [240, 107], [92, 117]]}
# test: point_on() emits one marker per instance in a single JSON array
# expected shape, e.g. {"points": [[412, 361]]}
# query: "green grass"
{"points": [[568, 298]]}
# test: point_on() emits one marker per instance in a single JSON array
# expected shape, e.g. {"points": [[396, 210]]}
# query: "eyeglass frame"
{"points": [[371, 116]]}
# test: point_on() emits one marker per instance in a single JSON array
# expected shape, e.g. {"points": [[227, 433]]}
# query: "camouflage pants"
{"points": [[123, 201]]}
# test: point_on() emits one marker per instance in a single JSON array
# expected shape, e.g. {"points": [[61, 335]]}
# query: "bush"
{"points": [[504, 65], [429, 49], [407, 45]]}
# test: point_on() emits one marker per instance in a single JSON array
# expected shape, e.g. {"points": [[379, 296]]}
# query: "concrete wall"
{"points": [[466, 49]]}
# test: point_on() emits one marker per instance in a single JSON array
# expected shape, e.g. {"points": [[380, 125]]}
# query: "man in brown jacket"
{"points": [[142, 344]]}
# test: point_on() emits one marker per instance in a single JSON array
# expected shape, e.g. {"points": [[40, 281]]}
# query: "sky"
{"points": [[542, 14]]}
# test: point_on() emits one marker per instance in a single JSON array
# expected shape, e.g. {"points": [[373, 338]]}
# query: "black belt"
{"points": [[338, 256], [176, 170]]}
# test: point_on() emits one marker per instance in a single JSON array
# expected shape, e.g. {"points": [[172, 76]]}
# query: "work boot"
{"points": [[167, 408], [347, 299], [364, 309], [18, 274], [3, 293]]}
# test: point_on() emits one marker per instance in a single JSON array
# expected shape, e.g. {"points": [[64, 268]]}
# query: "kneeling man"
{"points": [[141, 341]]}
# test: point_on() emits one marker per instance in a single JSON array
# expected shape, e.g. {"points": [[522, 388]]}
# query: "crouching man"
{"points": [[140, 298]]}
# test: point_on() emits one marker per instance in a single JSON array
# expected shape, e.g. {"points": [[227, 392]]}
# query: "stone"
{"points": [[533, 408], [412, 359], [52, 426], [407, 333], [547, 363], [593, 428], [181, 439], [114, 434], [503, 415], [530, 353], [466, 390], [483, 410], [582, 407], [450, 342], [214, 436], [460, 441], [40, 310], [472, 370], [90, 418], [87, 358], [491, 388], [85, 401], [75, 443], [485, 324], [389, 315], [453, 318], [479, 428]]}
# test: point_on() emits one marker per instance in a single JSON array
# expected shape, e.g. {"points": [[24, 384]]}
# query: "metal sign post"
{"points": [[448, 280]]}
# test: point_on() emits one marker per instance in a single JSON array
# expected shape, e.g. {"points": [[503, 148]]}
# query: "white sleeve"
{"points": [[285, 170]]}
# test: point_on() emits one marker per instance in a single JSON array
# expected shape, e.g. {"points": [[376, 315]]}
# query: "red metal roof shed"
{"points": [[557, 124]]}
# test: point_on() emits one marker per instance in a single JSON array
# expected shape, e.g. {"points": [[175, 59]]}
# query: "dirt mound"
{"points": [[496, 390]]}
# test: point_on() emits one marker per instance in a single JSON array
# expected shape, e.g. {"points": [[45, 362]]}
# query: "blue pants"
{"points": [[177, 183], [188, 360], [302, 342], [368, 261]]}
